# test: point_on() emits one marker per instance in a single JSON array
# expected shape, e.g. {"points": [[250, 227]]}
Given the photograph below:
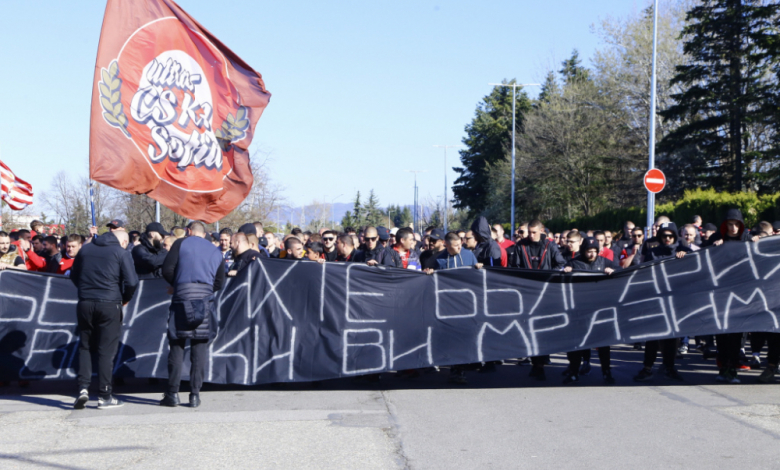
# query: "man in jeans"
{"points": [[104, 275]]}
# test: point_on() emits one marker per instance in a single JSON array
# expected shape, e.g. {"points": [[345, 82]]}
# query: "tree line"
{"points": [[582, 144]]}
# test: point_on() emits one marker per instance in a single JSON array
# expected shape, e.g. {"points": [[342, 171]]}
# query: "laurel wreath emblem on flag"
{"points": [[233, 129], [111, 98]]}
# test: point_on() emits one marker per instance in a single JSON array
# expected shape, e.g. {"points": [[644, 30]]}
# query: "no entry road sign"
{"points": [[655, 180]]}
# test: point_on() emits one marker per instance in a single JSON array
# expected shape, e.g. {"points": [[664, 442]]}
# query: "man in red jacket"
{"points": [[72, 247]]}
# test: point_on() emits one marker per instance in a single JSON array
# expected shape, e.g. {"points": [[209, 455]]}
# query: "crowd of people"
{"points": [[156, 252]]}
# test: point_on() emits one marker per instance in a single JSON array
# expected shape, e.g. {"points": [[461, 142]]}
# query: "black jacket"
{"points": [[665, 251], [53, 263], [384, 256], [331, 256], [543, 254], [148, 259], [579, 263], [487, 251], [244, 259], [104, 271]]}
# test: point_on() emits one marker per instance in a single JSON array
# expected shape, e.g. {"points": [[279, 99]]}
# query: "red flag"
{"points": [[16, 192], [173, 110]]}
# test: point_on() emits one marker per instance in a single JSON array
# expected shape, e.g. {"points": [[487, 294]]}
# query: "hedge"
{"points": [[707, 203]]}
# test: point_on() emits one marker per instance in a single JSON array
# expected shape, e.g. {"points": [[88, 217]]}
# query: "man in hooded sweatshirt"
{"points": [[589, 260], [194, 269], [669, 247], [731, 230], [104, 275], [487, 251], [537, 252]]}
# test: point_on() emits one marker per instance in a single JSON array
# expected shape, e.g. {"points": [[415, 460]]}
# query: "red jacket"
{"points": [[32, 261]]}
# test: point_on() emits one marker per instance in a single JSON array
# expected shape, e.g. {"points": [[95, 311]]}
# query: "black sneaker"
{"points": [[458, 376], [488, 368], [539, 374], [608, 379], [523, 361], [108, 403], [755, 362], [768, 376], [672, 374], [571, 379], [81, 401], [644, 375], [585, 368]]}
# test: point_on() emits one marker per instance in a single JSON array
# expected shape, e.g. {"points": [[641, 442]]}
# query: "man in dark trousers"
{"points": [[732, 229], [589, 260], [536, 252], [668, 248], [104, 275], [194, 267]]}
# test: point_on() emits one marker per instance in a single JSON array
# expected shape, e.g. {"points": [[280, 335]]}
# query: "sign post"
{"points": [[655, 180]]}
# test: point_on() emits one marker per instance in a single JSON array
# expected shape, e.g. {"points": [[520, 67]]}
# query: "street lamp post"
{"points": [[651, 143], [415, 217], [514, 131], [332, 220], [446, 189]]}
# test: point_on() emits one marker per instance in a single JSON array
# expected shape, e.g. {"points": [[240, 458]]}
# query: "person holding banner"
{"points": [[669, 247], [589, 260], [194, 269]]}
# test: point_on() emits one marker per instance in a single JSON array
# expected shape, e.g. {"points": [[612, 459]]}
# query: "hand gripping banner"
{"points": [[282, 321], [173, 110]]}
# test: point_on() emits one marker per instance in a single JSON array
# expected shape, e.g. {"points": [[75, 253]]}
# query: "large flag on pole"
{"points": [[16, 192], [173, 110]]}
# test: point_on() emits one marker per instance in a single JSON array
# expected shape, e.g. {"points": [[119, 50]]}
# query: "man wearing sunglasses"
{"points": [[329, 252], [374, 254], [629, 256], [668, 248]]}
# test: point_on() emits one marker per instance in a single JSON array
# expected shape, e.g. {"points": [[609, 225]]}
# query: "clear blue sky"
{"points": [[362, 90]]}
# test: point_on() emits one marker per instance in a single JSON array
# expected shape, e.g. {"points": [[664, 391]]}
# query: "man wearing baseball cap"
{"points": [[116, 224], [428, 257]]}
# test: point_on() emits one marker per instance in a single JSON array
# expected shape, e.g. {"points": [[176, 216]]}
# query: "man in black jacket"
{"points": [[374, 253], [589, 261], [669, 248], [536, 252], [243, 254], [732, 229], [194, 268], [149, 255], [104, 275]]}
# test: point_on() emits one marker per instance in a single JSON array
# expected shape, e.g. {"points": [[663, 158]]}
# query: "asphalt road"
{"points": [[499, 420]]}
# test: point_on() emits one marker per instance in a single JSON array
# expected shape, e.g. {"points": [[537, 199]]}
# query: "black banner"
{"points": [[285, 321]]}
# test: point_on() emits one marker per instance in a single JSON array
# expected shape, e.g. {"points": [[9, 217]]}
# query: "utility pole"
{"points": [[514, 131]]}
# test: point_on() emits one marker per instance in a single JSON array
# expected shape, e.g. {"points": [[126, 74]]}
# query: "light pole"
{"points": [[415, 218], [331, 208], [651, 143], [514, 131], [446, 189]]}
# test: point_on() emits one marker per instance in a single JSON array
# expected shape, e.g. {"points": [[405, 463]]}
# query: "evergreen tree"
{"points": [[722, 111], [373, 213], [488, 140]]}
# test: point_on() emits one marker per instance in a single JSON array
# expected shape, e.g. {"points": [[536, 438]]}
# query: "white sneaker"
{"points": [[81, 401], [109, 403]]}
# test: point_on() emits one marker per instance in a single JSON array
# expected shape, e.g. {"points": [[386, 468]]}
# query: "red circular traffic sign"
{"points": [[655, 180]]}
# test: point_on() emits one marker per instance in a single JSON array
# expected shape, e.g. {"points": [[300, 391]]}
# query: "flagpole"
{"points": [[92, 201]]}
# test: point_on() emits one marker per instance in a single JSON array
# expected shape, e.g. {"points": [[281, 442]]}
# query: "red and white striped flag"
{"points": [[16, 192]]}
